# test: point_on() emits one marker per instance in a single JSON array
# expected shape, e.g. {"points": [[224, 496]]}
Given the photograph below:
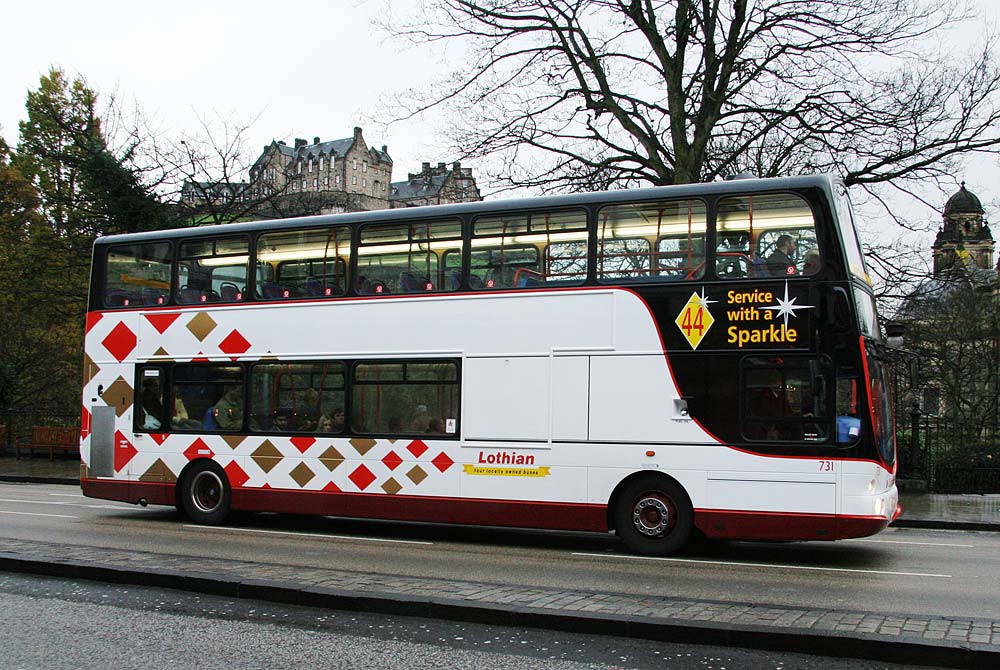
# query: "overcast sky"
{"points": [[301, 69]]}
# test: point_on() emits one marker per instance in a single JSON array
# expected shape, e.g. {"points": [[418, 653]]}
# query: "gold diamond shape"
{"points": [[391, 487], [119, 395], [331, 458], [694, 320], [201, 325], [162, 355], [363, 446], [234, 440], [158, 472], [302, 474], [266, 456], [416, 474], [90, 369]]}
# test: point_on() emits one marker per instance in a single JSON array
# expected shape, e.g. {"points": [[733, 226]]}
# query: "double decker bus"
{"points": [[656, 363]]}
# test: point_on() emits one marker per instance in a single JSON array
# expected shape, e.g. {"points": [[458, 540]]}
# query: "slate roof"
{"points": [[421, 187]]}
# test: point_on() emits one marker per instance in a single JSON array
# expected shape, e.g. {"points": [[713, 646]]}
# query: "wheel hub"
{"points": [[206, 492], [651, 516]]}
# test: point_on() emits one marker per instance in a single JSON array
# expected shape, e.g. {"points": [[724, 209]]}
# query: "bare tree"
{"points": [[585, 94]]}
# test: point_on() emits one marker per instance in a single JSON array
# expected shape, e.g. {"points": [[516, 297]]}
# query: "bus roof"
{"points": [[734, 186]]}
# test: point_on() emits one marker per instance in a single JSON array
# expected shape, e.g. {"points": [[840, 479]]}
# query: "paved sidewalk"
{"points": [[960, 642]]}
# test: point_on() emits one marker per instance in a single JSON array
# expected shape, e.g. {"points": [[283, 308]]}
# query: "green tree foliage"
{"points": [[62, 188]]}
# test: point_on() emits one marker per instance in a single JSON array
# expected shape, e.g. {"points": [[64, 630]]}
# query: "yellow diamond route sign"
{"points": [[695, 320]]}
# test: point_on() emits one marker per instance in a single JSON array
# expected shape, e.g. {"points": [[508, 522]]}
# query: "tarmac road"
{"points": [[552, 581], [904, 571]]}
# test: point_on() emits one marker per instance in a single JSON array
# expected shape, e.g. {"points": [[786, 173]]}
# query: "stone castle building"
{"points": [[347, 175]]}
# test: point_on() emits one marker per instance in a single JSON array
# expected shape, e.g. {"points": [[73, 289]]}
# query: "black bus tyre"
{"points": [[653, 516], [205, 494]]}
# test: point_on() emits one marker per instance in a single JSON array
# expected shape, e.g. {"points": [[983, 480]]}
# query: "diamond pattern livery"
{"points": [[416, 474], [120, 342], [303, 443], [331, 458], [362, 477], [362, 446], [237, 477], [391, 460], [201, 326], [302, 474], [391, 486], [162, 321], [417, 448], [234, 344], [124, 451], [198, 449], [442, 461], [266, 456]]}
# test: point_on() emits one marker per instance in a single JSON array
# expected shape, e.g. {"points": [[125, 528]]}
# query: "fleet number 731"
{"points": [[826, 466]]}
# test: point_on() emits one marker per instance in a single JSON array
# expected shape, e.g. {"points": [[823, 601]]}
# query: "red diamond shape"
{"points": [[303, 443], [234, 344], [362, 477], [159, 438], [124, 451], [392, 460], [162, 321], [442, 461], [331, 488], [417, 448], [237, 477], [84, 424], [92, 319], [198, 449], [120, 341]]}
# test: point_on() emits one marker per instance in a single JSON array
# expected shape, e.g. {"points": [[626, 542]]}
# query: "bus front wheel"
{"points": [[205, 494], [653, 516]]}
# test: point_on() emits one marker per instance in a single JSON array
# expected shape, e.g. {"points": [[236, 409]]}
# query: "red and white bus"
{"points": [[657, 362]]}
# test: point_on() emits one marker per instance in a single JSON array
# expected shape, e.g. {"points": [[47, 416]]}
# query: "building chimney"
{"points": [[315, 140], [441, 167], [299, 142], [357, 132], [456, 167], [385, 149], [425, 167]]}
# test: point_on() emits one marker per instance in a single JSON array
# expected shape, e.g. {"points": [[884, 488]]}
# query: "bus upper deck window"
{"points": [[212, 270], [137, 275], [769, 235]]}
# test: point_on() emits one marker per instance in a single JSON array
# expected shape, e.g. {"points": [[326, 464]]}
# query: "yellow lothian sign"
{"points": [[695, 320]]}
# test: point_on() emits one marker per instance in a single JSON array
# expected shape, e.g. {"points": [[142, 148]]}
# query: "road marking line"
{"points": [[288, 532], [34, 502], [762, 565], [68, 495], [63, 504], [925, 544], [61, 516]]}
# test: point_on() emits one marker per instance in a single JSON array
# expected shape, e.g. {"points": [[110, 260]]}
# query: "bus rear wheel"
{"points": [[206, 494], [653, 516]]}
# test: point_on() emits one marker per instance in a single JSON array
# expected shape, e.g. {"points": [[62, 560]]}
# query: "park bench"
{"points": [[50, 439]]}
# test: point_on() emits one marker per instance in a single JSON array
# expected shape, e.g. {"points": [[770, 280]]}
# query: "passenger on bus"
{"points": [[282, 420], [436, 426], [780, 263], [229, 410], [811, 264], [152, 404], [421, 420], [331, 423]]}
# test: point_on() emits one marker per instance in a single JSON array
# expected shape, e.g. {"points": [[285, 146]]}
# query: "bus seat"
{"points": [[456, 281], [115, 297], [269, 290], [476, 282], [410, 283], [229, 292], [190, 296], [314, 287], [152, 296]]}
